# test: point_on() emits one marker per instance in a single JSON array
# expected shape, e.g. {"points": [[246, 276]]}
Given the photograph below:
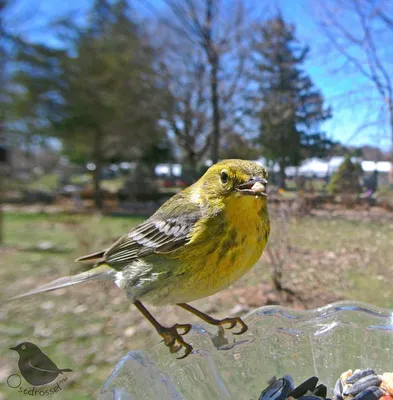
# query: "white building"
{"points": [[320, 168]]}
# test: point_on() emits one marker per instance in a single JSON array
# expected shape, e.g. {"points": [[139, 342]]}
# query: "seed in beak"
{"points": [[258, 187]]}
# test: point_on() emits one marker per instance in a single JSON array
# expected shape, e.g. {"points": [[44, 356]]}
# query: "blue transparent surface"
{"points": [[322, 342]]}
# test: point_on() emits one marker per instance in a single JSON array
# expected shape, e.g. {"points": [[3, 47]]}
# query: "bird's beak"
{"points": [[13, 348], [254, 187]]}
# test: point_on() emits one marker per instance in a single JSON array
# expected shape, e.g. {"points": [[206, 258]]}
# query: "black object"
{"points": [[4, 154], [307, 386], [35, 366], [279, 389], [321, 391]]}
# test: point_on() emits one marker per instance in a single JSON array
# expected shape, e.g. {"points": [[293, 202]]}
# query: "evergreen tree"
{"points": [[99, 93], [292, 109], [347, 178]]}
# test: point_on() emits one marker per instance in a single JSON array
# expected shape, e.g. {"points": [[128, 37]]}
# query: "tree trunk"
{"points": [[98, 195], [189, 169], [216, 111], [281, 175], [213, 59], [391, 126]]}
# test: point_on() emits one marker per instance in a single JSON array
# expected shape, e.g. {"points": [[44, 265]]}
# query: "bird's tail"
{"points": [[65, 370], [102, 272]]}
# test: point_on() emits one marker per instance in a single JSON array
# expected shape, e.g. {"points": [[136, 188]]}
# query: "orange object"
{"points": [[387, 382]]}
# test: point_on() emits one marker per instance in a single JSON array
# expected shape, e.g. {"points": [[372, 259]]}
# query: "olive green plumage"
{"points": [[197, 243]]}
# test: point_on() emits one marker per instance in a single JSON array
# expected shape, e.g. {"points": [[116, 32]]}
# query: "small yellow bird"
{"points": [[199, 242]]}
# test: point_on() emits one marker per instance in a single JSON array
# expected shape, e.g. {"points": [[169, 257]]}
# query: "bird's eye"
{"points": [[224, 177], [23, 347]]}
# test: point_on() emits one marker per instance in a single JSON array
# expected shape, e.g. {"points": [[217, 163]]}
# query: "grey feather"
{"points": [[102, 272], [159, 234]]}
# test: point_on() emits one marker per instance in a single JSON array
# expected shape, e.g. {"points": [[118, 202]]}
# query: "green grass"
{"points": [[80, 179], [113, 185], [50, 182], [74, 339], [331, 258], [47, 183], [89, 327], [360, 252]]}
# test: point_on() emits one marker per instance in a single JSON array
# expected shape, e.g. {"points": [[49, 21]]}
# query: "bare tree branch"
{"points": [[218, 29], [361, 46]]}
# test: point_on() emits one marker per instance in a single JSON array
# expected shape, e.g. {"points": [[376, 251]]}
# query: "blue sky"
{"points": [[324, 64]]}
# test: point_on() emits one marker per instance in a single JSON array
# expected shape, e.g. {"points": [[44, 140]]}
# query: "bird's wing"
{"points": [[166, 231]]}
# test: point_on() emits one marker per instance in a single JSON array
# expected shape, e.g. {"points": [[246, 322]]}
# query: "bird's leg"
{"points": [[172, 337], [217, 322]]}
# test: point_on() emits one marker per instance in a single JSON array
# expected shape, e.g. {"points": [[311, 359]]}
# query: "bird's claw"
{"points": [[173, 338], [188, 350], [185, 327], [232, 323]]}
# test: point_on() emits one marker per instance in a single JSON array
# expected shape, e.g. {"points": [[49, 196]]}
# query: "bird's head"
{"points": [[26, 349], [235, 179]]}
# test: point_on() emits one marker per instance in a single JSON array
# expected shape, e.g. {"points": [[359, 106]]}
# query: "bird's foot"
{"points": [[232, 321], [173, 338], [217, 322]]}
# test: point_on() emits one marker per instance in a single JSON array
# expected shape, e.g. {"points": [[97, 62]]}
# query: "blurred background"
{"points": [[108, 108]]}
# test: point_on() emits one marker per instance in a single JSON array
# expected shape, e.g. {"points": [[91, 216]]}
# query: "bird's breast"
{"points": [[244, 238], [222, 249], [227, 247]]}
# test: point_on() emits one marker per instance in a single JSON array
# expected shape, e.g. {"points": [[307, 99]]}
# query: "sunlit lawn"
{"points": [[88, 328]]}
